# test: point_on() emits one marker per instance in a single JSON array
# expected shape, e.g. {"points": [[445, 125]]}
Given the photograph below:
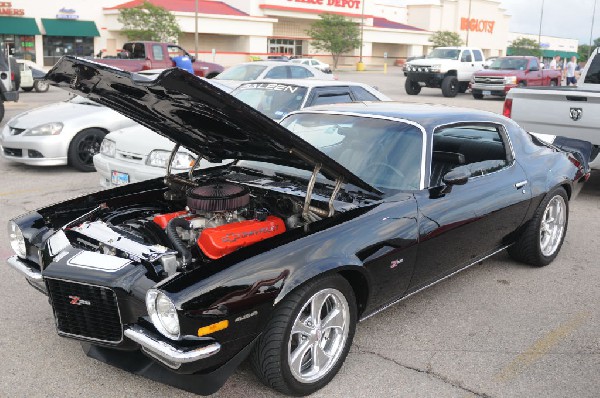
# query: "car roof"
{"points": [[308, 82], [429, 116], [267, 63]]}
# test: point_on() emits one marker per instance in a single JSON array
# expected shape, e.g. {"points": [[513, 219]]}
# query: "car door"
{"points": [[462, 224], [534, 74], [467, 66]]}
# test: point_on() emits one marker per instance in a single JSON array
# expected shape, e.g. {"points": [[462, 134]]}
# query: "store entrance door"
{"points": [[288, 47]]}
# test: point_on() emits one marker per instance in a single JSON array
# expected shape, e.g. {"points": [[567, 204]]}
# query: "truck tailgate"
{"points": [[565, 112]]}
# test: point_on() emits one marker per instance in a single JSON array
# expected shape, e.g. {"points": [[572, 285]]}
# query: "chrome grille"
{"points": [[85, 311], [489, 80]]}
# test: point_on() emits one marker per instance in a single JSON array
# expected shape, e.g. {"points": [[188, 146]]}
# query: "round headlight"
{"points": [[17, 240], [163, 313]]}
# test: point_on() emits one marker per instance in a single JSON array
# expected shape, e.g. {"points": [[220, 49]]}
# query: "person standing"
{"points": [[571, 66], [554, 62]]}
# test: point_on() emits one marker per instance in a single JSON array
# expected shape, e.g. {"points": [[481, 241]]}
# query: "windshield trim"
{"points": [[382, 117]]}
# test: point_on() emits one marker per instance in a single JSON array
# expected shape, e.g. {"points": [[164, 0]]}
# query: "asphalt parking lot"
{"points": [[499, 329]]}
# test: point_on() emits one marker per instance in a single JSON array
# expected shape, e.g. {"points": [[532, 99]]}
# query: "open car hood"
{"points": [[199, 116]]}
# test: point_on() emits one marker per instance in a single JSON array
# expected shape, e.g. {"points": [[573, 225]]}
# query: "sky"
{"points": [[562, 18]]}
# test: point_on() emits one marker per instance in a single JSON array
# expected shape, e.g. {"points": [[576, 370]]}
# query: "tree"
{"points": [[525, 46], [583, 51], [445, 39], [334, 34], [149, 22]]}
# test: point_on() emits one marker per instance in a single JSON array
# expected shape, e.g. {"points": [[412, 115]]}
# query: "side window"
{"points": [[478, 56], [593, 73], [362, 94], [466, 56], [139, 51], [299, 72], [534, 65], [278, 72], [157, 52], [479, 149]]}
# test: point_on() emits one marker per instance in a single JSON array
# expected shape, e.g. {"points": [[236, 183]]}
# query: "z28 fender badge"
{"points": [[76, 300], [244, 317]]}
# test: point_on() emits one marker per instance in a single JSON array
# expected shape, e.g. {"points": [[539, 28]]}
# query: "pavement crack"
{"points": [[428, 371]]}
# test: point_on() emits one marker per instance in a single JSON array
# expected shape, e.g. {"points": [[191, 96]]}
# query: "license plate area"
{"points": [[486, 92], [119, 178]]}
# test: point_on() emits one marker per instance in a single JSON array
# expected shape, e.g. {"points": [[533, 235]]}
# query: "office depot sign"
{"points": [[351, 4], [477, 25]]}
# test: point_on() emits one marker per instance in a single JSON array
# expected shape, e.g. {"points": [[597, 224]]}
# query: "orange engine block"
{"points": [[219, 241]]}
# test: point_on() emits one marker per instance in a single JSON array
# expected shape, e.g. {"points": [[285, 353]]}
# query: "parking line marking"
{"points": [[16, 192], [540, 348]]}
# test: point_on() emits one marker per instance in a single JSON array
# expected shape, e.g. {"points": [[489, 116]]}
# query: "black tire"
{"points": [[83, 147], [528, 248], [463, 87], [522, 84], [1, 109], [269, 358], [41, 86], [412, 87], [27, 89], [450, 86], [477, 95], [553, 83]]}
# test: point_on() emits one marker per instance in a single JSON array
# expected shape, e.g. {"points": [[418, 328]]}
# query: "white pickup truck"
{"points": [[572, 112]]}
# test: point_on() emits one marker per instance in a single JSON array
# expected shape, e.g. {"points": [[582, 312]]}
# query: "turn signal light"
{"points": [[215, 327], [507, 110]]}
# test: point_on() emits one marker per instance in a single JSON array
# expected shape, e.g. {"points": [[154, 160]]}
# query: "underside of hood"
{"points": [[199, 116]]}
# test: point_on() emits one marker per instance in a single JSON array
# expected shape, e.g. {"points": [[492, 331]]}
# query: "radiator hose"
{"points": [[186, 254]]}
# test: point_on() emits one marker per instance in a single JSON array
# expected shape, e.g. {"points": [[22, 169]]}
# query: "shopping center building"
{"points": [[232, 31]]}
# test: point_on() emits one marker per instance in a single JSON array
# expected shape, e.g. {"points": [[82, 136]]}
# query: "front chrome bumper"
{"points": [[30, 273], [166, 353]]}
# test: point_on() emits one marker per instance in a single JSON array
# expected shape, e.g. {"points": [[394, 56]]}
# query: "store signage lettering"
{"points": [[66, 13], [333, 3], [477, 25], [6, 9]]}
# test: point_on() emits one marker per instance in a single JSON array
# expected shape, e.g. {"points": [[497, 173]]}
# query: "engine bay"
{"points": [[201, 221]]}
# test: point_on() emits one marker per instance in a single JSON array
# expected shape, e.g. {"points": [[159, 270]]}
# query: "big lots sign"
{"points": [[477, 25], [353, 4]]}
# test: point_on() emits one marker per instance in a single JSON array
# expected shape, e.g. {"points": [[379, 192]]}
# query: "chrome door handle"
{"points": [[520, 184]]}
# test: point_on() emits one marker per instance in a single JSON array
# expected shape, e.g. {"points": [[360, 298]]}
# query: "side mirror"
{"points": [[458, 176]]}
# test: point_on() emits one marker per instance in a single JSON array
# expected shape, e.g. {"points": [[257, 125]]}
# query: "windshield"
{"points": [[272, 99], [444, 53], [241, 72], [386, 154], [509, 64]]}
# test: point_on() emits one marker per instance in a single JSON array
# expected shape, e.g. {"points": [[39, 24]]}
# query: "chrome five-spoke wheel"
{"points": [[552, 226], [318, 335]]}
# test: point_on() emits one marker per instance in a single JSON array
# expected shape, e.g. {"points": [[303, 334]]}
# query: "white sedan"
{"points": [[63, 133], [136, 153], [259, 70]]}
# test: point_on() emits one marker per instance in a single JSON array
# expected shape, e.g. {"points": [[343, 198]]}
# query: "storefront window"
{"points": [[57, 46], [21, 47], [285, 46]]}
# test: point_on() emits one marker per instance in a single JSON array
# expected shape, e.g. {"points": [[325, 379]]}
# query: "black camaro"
{"points": [[322, 221]]}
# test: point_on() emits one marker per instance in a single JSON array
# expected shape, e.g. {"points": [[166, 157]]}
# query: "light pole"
{"points": [[468, 23], [196, 28], [362, 24], [540, 31], [592, 30]]}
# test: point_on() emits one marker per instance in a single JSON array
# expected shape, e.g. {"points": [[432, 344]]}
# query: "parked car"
{"points": [[68, 132], [572, 112], [259, 70], [509, 72], [136, 153], [9, 81], [325, 220], [315, 63], [489, 61], [141, 55], [448, 68], [32, 77]]}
